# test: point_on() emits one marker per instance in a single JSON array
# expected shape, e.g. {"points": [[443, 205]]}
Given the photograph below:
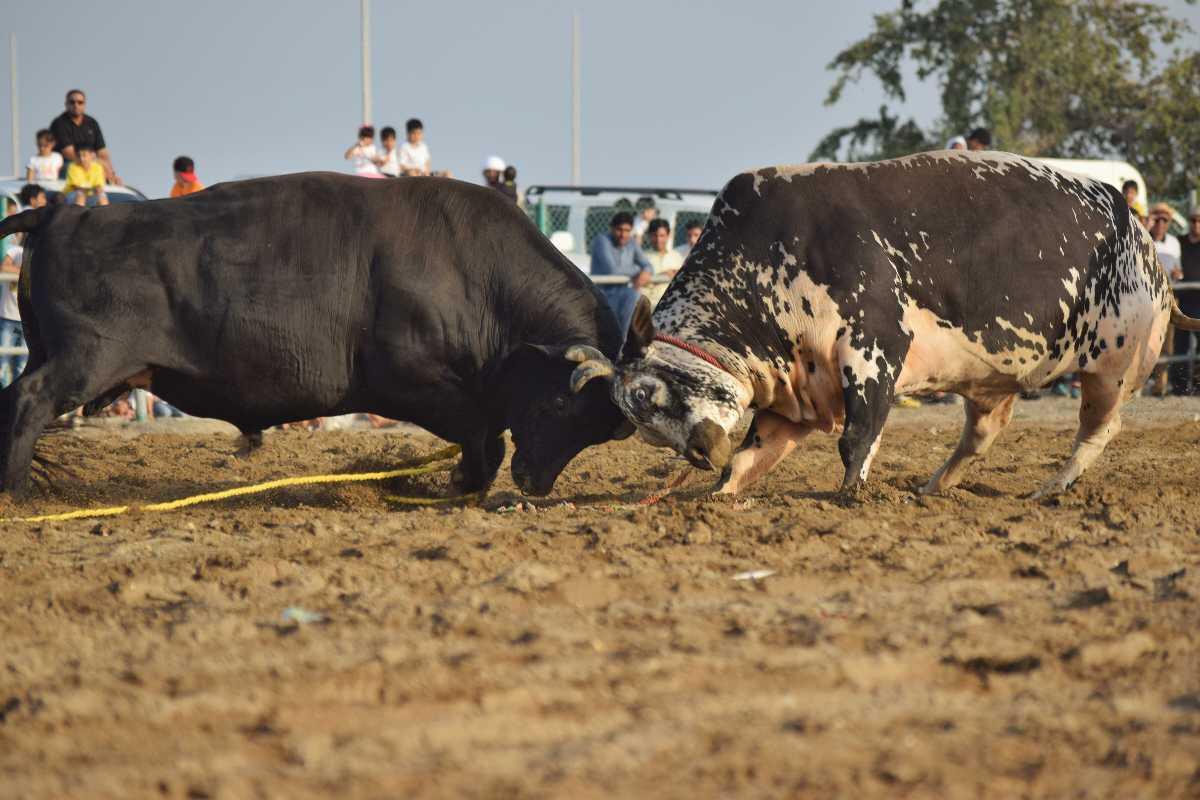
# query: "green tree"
{"points": [[1068, 78], [1165, 142]]}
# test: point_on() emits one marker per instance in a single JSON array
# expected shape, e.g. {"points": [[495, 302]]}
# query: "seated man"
{"points": [[85, 179], [694, 229], [615, 253], [662, 258]]}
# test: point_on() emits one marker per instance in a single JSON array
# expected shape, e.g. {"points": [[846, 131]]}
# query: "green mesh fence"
{"points": [[682, 219], [595, 223], [549, 218]]}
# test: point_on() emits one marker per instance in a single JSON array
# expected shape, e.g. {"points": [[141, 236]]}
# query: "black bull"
{"points": [[279, 299]]}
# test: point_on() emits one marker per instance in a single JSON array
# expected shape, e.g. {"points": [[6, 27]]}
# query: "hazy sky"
{"points": [[674, 93]]}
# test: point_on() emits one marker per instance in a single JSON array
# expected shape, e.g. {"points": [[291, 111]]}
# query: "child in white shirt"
{"points": [[414, 153], [46, 165], [389, 162], [363, 155]]}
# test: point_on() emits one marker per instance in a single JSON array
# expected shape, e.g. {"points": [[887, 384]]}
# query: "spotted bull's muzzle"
{"points": [[708, 446]]}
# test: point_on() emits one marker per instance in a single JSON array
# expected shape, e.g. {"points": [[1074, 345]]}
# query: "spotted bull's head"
{"points": [[673, 395]]}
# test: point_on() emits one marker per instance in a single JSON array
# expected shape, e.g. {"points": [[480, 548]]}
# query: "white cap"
{"points": [[956, 140], [493, 163]]}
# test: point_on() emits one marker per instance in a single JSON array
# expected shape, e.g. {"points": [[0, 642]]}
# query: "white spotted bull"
{"points": [[818, 293]]}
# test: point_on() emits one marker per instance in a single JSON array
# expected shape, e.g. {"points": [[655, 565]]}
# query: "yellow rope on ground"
{"points": [[419, 466]]}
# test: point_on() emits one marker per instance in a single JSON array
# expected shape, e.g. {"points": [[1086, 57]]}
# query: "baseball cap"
{"points": [[494, 163]]}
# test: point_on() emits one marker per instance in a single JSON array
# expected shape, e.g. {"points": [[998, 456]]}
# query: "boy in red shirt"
{"points": [[186, 181]]}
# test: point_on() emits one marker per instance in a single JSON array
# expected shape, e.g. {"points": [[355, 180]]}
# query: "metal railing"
{"points": [[617, 280]]}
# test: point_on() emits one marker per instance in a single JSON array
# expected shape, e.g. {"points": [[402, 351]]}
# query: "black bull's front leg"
{"points": [[479, 463]]}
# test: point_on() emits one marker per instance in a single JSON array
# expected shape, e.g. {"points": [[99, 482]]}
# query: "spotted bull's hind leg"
{"points": [[985, 420], [1099, 421], [768, 441]]}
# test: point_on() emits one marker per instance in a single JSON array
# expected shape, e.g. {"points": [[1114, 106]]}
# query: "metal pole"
{"points": [[366, 61], [16, 143], [1191, 370], [576, 156]]}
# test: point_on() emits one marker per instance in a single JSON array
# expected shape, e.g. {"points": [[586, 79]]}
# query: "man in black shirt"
{"points": [[1189, 301], [73, 128]]}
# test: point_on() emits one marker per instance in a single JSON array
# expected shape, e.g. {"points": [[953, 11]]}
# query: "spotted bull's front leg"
{"points": [[768, 441], [868, 388]]}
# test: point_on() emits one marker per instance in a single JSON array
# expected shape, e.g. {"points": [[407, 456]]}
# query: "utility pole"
{"points": [[366, 61], [12, 98], [576, 154]]}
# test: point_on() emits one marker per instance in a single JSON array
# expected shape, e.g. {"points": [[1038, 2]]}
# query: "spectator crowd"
{"points": [[636, 246], [412, 159]]}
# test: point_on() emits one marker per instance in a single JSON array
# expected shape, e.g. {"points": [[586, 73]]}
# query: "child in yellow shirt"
{"points": [[85, 178]]}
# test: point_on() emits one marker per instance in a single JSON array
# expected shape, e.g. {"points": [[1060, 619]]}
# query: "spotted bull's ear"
{"points": [[641, 332]]}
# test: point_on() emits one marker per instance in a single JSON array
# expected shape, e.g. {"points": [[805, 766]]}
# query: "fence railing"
{"points": [[617, 280]]}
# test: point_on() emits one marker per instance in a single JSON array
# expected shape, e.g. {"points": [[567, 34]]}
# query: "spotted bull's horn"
{"points": [[592, 364]]}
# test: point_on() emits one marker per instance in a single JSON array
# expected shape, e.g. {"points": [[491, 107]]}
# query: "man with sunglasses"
{"points": [[74, 128]]}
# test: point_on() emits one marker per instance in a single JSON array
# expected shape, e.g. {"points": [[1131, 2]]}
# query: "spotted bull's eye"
{"points": [[639, 394]]}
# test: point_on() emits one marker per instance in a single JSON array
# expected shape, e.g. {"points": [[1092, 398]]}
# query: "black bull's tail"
{"points": [[25, 222]]}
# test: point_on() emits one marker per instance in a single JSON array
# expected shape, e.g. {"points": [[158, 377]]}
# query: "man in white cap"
{"points": [[493, 176]]}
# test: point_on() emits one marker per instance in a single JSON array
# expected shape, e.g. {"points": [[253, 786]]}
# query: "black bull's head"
{"points": [[551, 424]]}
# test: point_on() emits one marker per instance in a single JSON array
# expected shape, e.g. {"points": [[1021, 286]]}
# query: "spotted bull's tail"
{"points": [[25, 222], [1180, 320]]}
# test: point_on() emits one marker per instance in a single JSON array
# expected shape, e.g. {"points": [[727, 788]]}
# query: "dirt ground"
{"points": [[319, 642]]}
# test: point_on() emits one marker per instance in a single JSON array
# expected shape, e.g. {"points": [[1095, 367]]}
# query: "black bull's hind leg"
{"points": [[869, 373], [35, 399]]}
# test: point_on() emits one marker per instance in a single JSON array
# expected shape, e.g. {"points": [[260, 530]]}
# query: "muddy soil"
{"points": [[322, 642]]}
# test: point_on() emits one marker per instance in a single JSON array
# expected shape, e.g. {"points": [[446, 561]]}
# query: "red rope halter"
{"points": [[691, 348]]}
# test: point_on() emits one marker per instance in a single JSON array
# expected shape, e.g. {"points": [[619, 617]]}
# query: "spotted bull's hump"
{"points": [[1029, 270]]}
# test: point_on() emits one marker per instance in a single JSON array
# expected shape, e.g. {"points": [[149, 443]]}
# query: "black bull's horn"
{"points": [[592, 364]]}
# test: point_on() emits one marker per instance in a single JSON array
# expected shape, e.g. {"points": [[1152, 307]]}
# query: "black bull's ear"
{"points": [[592, 364], [641, 332]]}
